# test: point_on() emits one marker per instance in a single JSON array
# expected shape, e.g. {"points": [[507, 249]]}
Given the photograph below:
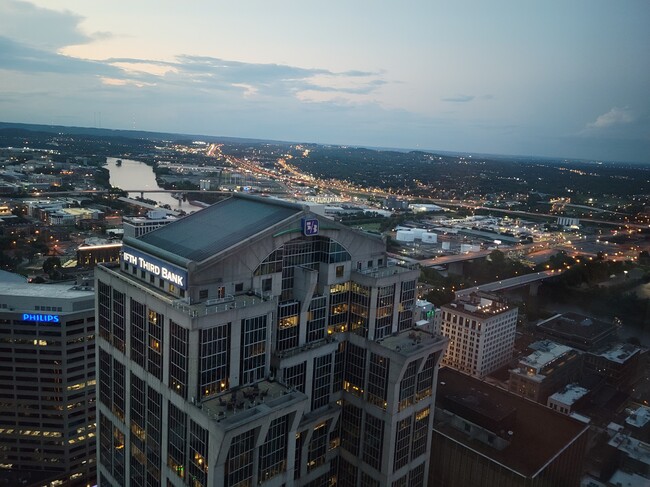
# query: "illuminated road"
{"points": [[510, 283]]}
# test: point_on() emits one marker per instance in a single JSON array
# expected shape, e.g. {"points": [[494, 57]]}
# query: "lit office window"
{"points": [[178, 348], [215, 359], [198, 455]]}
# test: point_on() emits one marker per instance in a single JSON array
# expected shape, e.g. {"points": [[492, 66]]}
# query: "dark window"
{"points": [[321, 381], [267, 285]]}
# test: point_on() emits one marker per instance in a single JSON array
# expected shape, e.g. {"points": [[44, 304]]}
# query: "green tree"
{"points": [[51, 265]]}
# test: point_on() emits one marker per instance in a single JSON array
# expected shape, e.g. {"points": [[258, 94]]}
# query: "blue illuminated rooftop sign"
{"points": [[309, 226], [41, 317]]}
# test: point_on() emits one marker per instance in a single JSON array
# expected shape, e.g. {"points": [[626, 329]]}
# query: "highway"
{"points": [[510, 283]]}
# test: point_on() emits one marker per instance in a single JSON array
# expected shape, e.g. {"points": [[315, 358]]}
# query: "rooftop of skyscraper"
{"points": [[210, 231]]}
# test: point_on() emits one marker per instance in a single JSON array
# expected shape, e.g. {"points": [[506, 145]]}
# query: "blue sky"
{"points": [[555, 78]]}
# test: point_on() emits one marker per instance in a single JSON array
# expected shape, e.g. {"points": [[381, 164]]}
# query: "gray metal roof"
{"points": [[220, 226]]}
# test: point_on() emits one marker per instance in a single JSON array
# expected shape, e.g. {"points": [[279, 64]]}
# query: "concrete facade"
{"points": [[281, 351], [481, 331]]}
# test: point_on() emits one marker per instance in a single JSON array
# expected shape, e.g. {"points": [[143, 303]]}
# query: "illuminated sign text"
{"points": [[40, 317], [170, 273]]}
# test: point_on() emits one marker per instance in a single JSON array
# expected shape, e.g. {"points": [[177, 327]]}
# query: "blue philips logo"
{"points": [[40, 318]]}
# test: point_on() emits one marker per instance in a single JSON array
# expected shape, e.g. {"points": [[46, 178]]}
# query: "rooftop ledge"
{"points": [[389, 270], [244, 404], [407, 343]]}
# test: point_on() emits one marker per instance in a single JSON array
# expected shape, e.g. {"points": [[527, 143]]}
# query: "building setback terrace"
{"points": [[246, 403]]}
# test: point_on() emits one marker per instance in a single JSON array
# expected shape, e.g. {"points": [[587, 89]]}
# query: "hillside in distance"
{"points": [[416, 173]]}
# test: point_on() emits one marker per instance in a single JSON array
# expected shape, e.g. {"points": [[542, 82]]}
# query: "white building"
{"points": [[136, 226], [69, 216], [566, 221], [481, 330], [564, 401]]}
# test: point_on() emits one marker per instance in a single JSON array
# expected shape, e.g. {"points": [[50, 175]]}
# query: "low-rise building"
{"points": [[484, 436], [577, 331], [98, 250], [619, 363], [634, 454], [568, 399], [136, 226], [550, 367], [70, 216]]}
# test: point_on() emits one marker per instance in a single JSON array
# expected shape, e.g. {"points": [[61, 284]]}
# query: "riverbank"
{"points": [[133, 175]]}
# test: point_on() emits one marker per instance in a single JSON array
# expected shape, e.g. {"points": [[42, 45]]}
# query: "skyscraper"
{"points": [[47, 384], [252, 343]]}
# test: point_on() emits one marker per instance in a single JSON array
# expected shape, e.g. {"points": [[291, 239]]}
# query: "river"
{"points": [[137, 175]]}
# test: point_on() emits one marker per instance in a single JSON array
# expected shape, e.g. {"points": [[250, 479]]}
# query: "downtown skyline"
{"points": [[550, 80]]}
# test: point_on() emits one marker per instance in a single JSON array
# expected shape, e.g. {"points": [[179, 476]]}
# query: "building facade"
{"points": [[545, 371], [577, 331], [618, 363], [89, 254], [47, 384], [136, 226], [481, 330], [484, 436], [252, 344]]}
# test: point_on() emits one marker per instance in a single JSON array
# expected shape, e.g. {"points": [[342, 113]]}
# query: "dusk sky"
{"points": [[554, 78]]}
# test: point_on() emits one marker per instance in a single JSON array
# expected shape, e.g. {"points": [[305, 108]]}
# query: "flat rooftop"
{"points": [[61, 291], [639, 417], [478, 304], [220, 226], [619, 353], [570, 394], [574, 325], [632, 447], [545, 352], [406, 343], [246, 403], [146, 219], [626, 479], [538, 434]]}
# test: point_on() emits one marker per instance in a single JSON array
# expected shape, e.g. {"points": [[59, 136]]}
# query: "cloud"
{"points": [[32, 39], [23, 58], [466, 98], [42, 28], [459, 98], [615, 117]]}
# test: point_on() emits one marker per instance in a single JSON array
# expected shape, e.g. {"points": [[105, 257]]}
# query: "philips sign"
{"points": [[170, 273], [41, 318]]}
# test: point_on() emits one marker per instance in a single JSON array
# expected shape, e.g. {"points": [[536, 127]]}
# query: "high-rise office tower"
{"points": [[253, 344], [481, 330], [47, 384]]}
